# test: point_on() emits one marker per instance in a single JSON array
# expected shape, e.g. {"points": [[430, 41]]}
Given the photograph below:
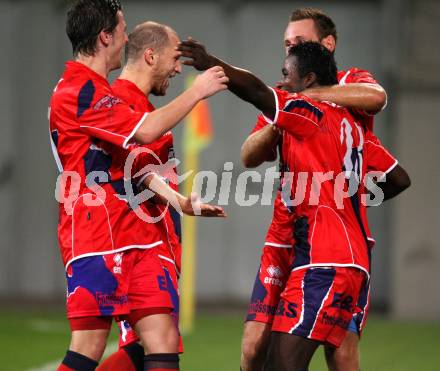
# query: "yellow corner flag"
{"points": [[197, 135]]}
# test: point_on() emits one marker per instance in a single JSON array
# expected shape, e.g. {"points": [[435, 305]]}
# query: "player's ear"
{"points": [[105, 37], [329, 42], [310, 79], [149, 56]]}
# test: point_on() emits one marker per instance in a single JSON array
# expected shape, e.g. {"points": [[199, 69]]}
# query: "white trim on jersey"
{"points": [[143, 177], [107, 252], [277, 108], [342, 81], [332, 265], [55, 153], [136, 128], [388, 170], [167, 259], [280, 245]]}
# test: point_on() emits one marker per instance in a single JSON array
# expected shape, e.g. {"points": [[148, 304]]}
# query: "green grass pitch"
{"points": [[30, 341]]}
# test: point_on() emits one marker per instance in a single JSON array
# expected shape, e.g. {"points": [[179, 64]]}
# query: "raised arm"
{"points": [[241, 82], [158, 122]]}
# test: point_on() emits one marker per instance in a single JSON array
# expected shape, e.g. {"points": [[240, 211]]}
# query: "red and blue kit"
{"points": [[163, 149], [319, 303], [90, 131], [280, 232], [276, 258], [325, 142], [169, 225]]}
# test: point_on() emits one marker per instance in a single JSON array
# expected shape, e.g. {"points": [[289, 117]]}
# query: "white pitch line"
{"points": [[51, 366]]}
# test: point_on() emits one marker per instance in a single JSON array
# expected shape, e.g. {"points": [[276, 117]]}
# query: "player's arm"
{"points": [[251, 89], [260, 146], [165, 195], [241, 82], [379, 159], [158, 122], [397, 180], [367, 97]]}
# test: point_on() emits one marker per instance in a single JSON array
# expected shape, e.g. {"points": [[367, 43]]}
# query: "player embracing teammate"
{"points": [[330, 262], [359, 91], [112, 268]]}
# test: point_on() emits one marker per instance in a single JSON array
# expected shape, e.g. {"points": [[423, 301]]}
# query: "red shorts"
{"points": [[271, 279], [362, 307], [115, 284], [168, 280], [318, 303]]}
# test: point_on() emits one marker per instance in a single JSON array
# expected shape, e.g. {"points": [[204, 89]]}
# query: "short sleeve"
{"points": [[296, 114], [107, 117], [376, 155], [357, 76], [260, 124]]}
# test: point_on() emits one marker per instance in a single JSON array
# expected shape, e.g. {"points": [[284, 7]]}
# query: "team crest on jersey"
{"points": [[107, 102], [275, 273], [117, 258]]}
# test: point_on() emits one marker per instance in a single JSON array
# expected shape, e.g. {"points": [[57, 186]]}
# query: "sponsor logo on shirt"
{"points": [[106, 102], [117, 258]]}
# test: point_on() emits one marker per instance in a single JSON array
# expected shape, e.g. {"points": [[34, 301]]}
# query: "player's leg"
{"points": [[346, 357], [269, 283], [254, 346], [85, 350], [151, 313], [94, 296], [129, 356], [289, 352], [317, 305], [87, 343]]}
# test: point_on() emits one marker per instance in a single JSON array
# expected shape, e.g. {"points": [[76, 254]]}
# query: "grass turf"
{"points": [[31, 340]]}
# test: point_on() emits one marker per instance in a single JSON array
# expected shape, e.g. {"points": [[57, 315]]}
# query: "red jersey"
{"points": [[356, 75], [323, 141], [376, 157], [95, 217], [163, 147]]}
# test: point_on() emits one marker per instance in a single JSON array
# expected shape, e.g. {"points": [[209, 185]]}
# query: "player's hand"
{"points": [[210, 82], [194, 207], [197, 54]]}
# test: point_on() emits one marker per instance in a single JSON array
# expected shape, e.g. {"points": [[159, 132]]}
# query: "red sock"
{"points": [[63, 367], [117, 361]]}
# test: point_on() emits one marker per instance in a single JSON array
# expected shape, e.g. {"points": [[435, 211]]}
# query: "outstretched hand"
{"points": [[197, 54], [194, 207]]}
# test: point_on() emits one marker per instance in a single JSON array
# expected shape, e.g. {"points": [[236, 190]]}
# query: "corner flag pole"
{"points": [[197, 136]]}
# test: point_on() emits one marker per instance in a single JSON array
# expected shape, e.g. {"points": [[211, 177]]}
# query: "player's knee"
{"points": [[250, 351], [158, 333], [346, 359], [89, 343], [255, 343]]}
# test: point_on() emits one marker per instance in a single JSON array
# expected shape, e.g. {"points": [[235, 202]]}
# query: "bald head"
{"points": [[147, 35]]}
